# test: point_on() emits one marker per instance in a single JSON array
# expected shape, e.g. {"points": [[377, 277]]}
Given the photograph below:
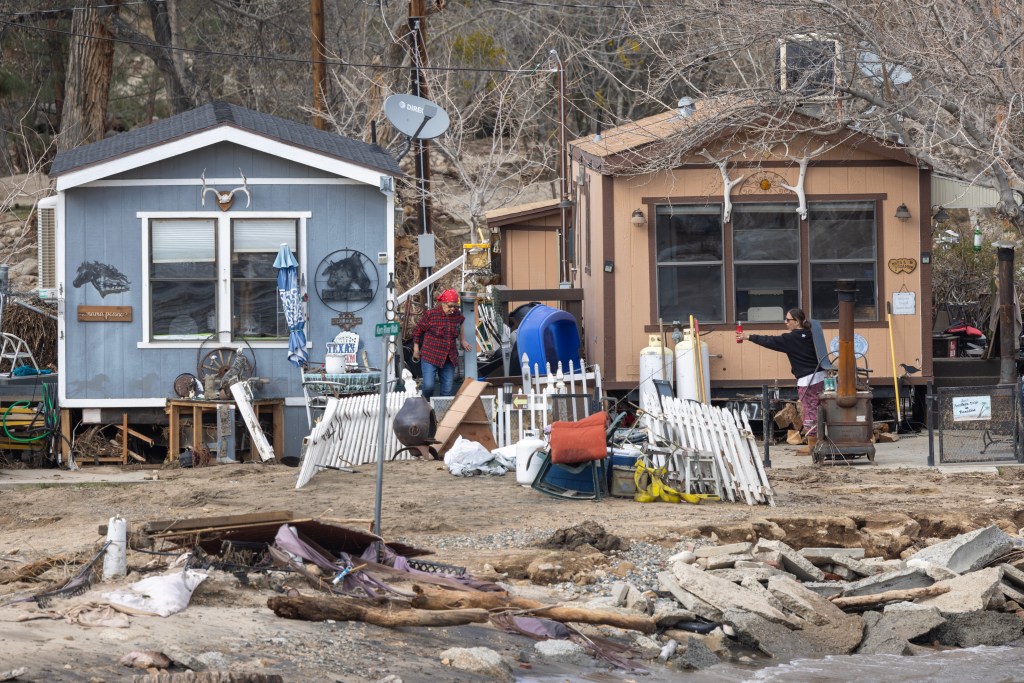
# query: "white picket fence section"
{"points": [[707, 441], [562, 394], [347, 433]]}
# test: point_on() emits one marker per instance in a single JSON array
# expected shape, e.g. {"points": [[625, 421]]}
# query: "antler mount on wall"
{"points": [[226, 199]]}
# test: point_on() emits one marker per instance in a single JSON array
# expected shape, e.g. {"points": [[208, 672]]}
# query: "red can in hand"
{"points": [[739, 333]]}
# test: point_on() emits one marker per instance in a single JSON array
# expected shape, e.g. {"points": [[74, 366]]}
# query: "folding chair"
{"points": [[575, 448]]}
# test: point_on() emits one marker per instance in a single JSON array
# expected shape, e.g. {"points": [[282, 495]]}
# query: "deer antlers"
{"points": [[727, 184], [226, 199], [799, 187]]}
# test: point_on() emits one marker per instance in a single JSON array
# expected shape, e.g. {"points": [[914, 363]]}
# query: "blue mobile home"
{"points": [[164, 242]]}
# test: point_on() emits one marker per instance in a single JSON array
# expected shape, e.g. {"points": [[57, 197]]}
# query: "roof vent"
{"points": [[686, 107]]}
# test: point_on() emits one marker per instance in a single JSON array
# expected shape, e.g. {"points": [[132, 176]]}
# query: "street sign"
{"points": [[385, 329]]}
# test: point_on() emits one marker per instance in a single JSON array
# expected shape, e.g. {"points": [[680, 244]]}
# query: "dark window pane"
{"points": [[810, 66], [825, 301], [765, 233], [689, 234], [256, 310], [187, 270], [690, 290], [842, 230], [183, 308], [253, 265]]}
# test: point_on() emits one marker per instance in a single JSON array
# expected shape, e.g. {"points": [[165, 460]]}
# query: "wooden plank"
{"points": [[240, 391], [222, 528], [221, 520], [137, 435], [65, 432], [124, 438]]}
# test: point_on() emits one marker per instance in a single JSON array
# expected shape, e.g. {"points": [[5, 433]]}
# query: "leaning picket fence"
{"points": [[346, 435], [557, 394], [712, 448]]}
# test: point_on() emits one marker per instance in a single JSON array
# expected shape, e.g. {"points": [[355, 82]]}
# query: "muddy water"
{"points": [[981, 664]]}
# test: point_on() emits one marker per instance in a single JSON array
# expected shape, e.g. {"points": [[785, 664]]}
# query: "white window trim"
{"points": [[223, 222]]}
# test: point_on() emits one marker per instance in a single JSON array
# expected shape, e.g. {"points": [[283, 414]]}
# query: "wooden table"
{"points": [[177, 408]]}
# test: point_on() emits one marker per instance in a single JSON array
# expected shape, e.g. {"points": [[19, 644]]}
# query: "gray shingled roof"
{"points": [[217, 114]]}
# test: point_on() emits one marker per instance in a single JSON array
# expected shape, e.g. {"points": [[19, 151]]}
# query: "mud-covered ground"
{"points": [[467, 521]]}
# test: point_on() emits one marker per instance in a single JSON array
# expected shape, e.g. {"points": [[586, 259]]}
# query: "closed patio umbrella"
{"points": [[291, 302]]}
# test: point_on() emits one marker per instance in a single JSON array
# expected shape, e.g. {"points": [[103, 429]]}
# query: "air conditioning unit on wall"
{"points": [[46, 244], [809, 65]]}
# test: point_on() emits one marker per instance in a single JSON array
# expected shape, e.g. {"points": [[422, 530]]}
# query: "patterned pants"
{"points": [[810, 397]]}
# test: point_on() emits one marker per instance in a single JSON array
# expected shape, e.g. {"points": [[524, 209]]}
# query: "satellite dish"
{"points": [[860, 346], [417, 117]]}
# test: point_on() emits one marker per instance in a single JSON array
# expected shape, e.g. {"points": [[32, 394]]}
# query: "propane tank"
{"points": [[686, 369], [656, 362]]}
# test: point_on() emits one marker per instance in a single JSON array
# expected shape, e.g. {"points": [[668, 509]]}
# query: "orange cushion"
{"points": [[581, 441]]}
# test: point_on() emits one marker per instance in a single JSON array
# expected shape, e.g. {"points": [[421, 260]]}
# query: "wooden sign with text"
{"points": [[104, 314]]}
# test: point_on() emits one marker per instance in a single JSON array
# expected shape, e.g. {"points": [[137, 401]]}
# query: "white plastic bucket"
{"points": [[335, 364], [527, 467]]}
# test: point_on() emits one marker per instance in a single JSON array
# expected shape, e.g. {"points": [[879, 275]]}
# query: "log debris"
{"points": [[32, 570], [431, 598], [312, 608], [861, 601], [207, 677]]}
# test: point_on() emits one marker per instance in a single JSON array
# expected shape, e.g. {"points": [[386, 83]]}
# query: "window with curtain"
{"points": [[183, 278], [688, 250], [255, 304], [843, 247], [185, 262], [766, 261]]}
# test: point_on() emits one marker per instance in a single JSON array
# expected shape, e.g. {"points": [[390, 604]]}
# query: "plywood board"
{"points": [[466, 417]]}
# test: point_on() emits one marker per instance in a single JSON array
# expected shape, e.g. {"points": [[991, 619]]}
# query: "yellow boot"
{"points": [[809, 448]]}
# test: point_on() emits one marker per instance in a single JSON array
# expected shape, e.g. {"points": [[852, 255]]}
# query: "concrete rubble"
{"points": [[814, 602]]}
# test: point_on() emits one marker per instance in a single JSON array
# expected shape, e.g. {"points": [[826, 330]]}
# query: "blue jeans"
{"points": [[430, 375]]}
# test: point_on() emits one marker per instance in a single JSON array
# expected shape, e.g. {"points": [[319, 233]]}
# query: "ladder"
{"points": [[14, 351]]}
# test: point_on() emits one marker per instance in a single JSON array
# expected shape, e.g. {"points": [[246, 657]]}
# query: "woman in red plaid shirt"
{"points": [[435, 344]]}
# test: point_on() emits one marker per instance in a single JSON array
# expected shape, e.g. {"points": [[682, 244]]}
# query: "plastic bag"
{"points": [[466, 458]]}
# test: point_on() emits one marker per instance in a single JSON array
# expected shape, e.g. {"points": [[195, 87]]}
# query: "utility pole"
{"points": [[418, 57], [563, 176], [316, 13]]}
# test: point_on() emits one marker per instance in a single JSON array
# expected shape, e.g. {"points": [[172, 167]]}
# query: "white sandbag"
{"points": [[159, 596]]}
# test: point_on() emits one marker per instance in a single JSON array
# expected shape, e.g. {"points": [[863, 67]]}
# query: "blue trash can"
{"points": [[548, 335]]}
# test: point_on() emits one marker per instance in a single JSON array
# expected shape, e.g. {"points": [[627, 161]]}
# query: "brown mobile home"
{"points": [[736, 228]]}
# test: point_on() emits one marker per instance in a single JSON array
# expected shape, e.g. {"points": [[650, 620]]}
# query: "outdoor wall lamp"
{"points": [[941, 216], [638, 218], [902, 213], [609, 266]]}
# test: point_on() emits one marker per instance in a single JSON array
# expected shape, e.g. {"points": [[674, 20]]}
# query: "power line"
{"points": [[274, 58], [62, 10], [561, 5]]}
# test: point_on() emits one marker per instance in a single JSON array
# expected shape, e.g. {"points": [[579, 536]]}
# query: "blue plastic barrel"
{"points": [[548, 335]]}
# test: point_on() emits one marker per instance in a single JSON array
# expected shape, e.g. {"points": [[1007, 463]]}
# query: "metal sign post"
{"points": [[384, 331]]}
